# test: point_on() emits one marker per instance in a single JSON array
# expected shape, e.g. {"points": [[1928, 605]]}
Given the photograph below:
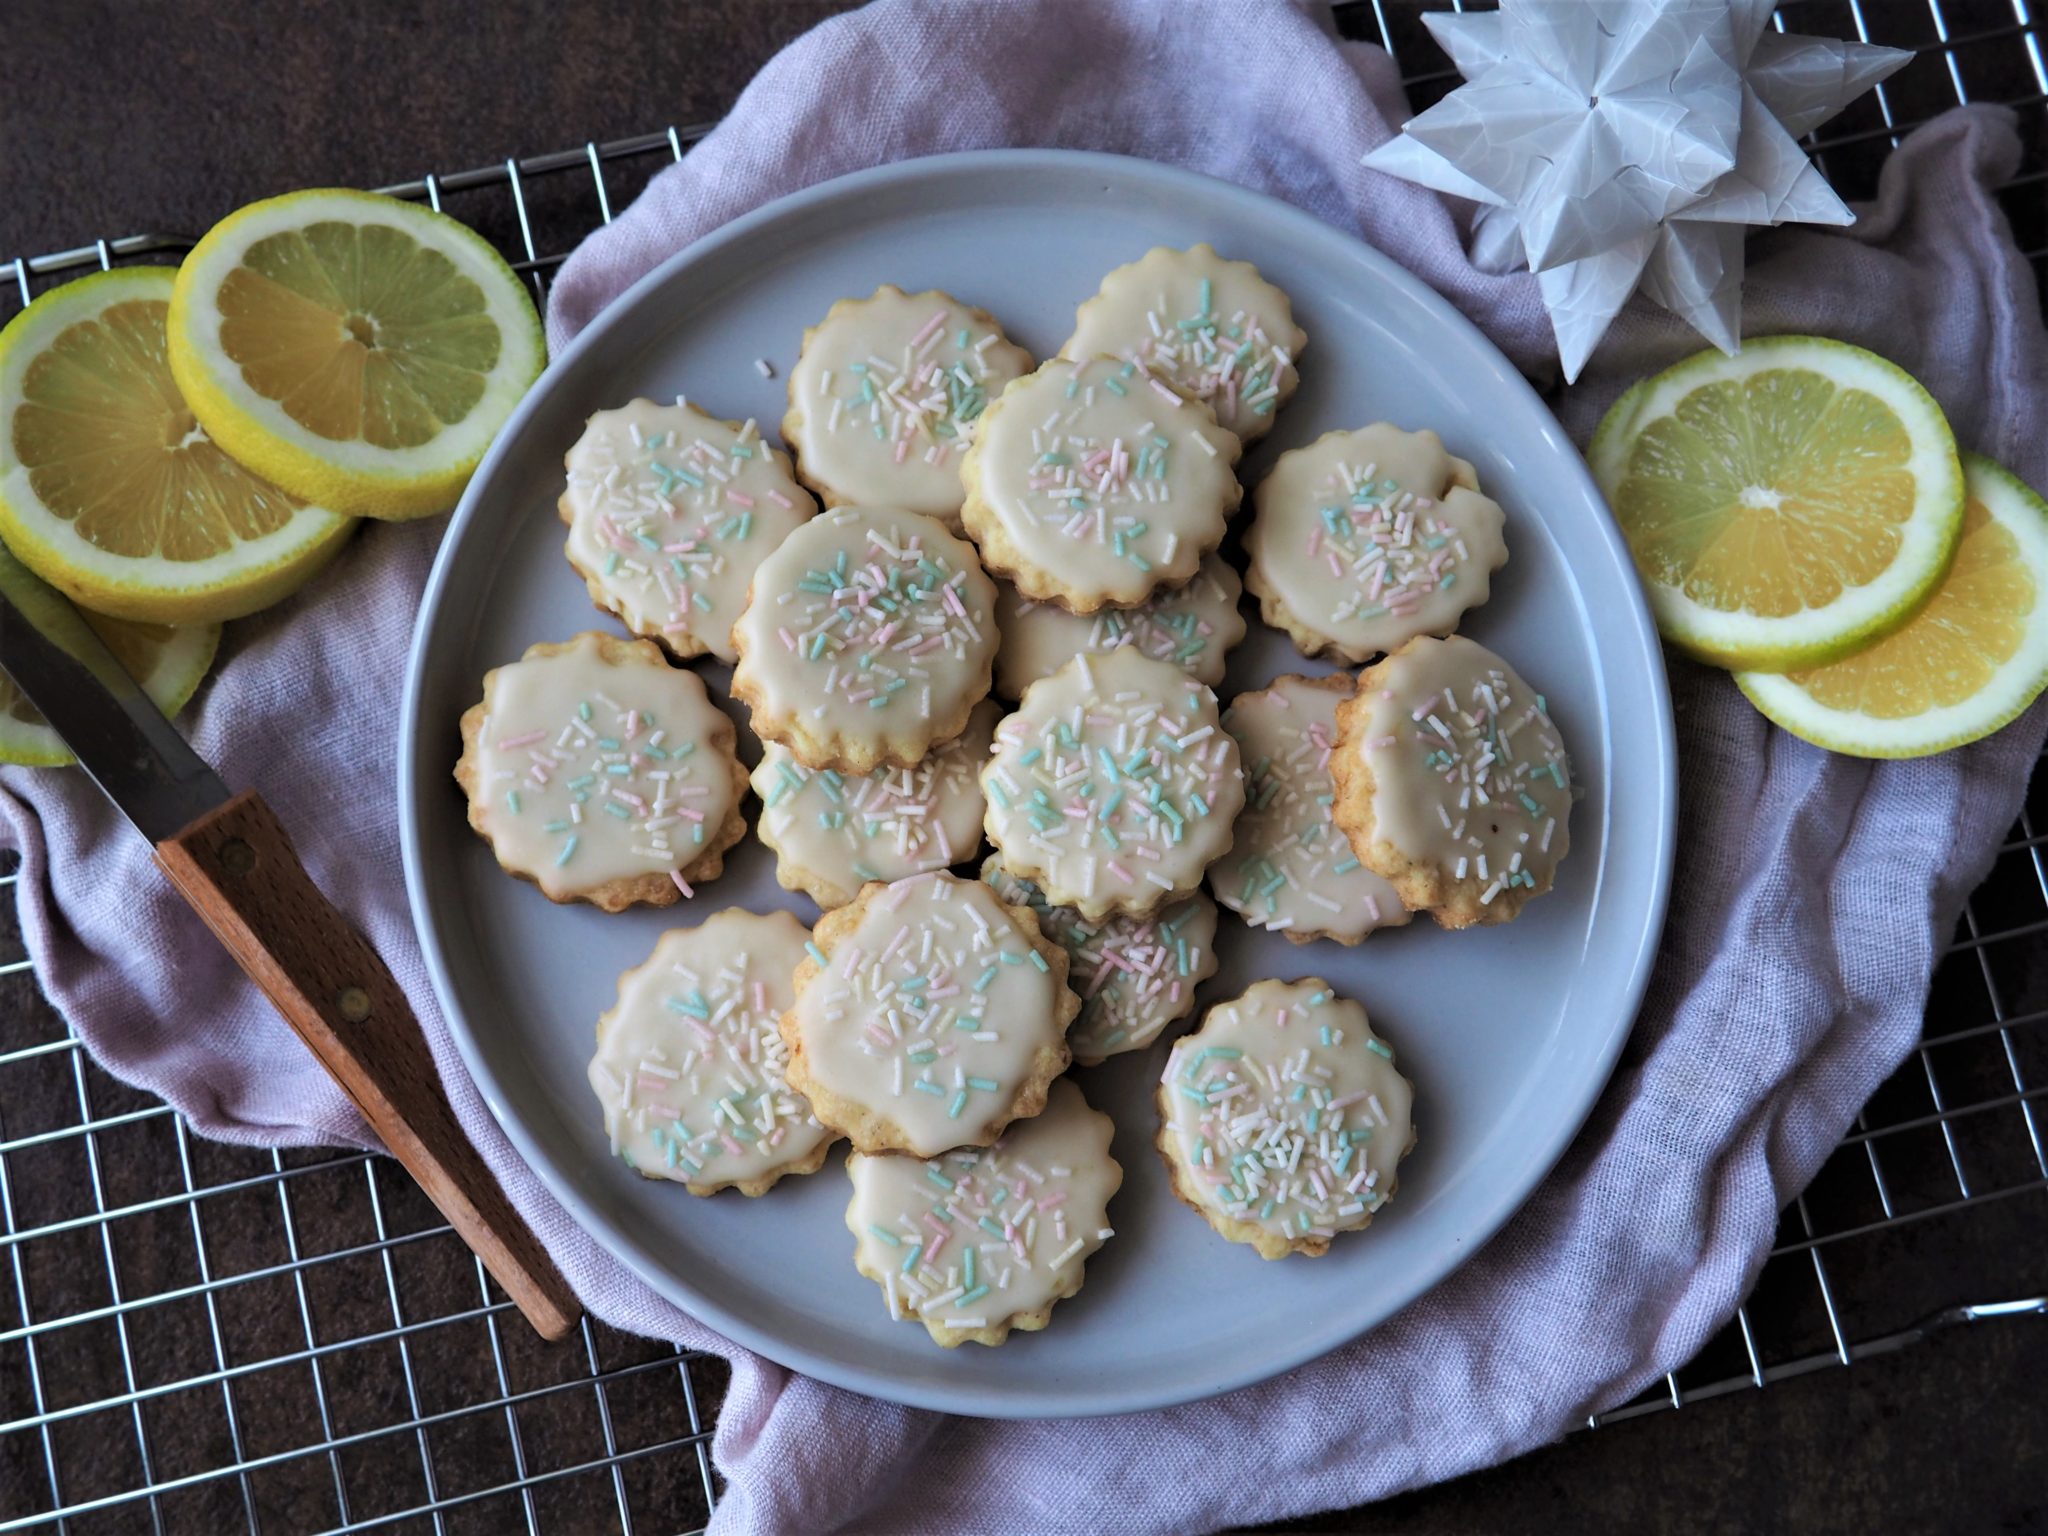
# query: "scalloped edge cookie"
{"points": [[869, 1130], [687, 643], [1269, 1245], [1424, 885], [895, 745], [994, 1333], [656, 889], [795, 427], [1307, 638]]}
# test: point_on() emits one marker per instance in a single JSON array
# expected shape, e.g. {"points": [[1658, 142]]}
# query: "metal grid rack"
{"points": [[210, 1338]]}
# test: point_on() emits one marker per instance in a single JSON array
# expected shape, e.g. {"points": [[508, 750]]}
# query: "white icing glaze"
{"points": [[886, 395], [1469, 775], [590, 771], [1093, 483], [1289, 867], [869, 625], [931, 1013], [669, 511], [1283, 1112], [1134, 975], [1113, 785], [978, 1238], [1369, 538], [832, 832], [689, 1063], [1213, 328], [1192, 626]]}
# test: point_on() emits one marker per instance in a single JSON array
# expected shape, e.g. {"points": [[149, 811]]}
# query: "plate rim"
{"points": [[1642, 644]]}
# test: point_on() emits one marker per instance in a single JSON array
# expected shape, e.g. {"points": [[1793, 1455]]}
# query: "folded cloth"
{"points": [[1813, 892]]}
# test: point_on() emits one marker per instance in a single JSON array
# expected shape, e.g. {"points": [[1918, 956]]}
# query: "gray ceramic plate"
{"points": [[1508, 1033]]}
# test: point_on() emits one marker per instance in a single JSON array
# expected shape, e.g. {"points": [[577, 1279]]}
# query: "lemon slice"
{"points": [[1785, 506], [1964, 665], [168, 663], [360, 351], [110, 491]]}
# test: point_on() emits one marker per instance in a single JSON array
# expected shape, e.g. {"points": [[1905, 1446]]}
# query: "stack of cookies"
{"points": [[985, 602]]}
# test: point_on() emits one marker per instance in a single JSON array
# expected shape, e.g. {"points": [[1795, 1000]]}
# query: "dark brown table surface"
{"points": [[118, 116]]}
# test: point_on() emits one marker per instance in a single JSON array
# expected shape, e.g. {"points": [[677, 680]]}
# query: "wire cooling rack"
{"points": [[204, 1338]]}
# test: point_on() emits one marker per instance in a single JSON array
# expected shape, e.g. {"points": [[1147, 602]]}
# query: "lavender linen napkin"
{"points": [[1812, 892]]}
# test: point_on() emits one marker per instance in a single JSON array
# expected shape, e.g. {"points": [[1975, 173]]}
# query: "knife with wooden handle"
{"points": [[230, 857]]}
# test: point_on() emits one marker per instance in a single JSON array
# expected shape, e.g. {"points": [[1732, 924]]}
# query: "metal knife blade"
{"points": [[121, 738]]}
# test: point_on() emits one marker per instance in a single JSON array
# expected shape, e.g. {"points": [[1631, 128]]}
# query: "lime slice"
{"points": [[110, 491], [1785, 506], [1964, 665], [169, 663], [360, 351]]}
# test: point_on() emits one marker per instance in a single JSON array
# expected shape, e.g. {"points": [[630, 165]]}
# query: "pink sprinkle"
{"points": [[508, 743], [681, 884], [732, 1146], [760, 997], [632, 723], [1119, 871], [938, 319], [685, 811], [779, 499], [1168, 395], [739, 498]]}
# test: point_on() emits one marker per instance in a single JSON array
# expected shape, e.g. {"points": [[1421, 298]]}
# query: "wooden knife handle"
{"points": [[237, 869]]}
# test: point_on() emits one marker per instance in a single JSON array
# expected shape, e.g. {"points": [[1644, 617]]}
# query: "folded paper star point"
{"points": [[1623, 144]]}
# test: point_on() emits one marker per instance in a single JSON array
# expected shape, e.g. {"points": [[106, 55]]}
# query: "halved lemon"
{"points": [[360, 351], [1964, 665], [109, 489], [168, 663], [1785, 506]]}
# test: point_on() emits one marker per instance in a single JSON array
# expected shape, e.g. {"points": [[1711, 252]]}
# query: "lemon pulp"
{"points": [[359, 332]]}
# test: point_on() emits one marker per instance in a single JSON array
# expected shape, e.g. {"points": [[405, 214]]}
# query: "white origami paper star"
{"points": [[1617, 143]]}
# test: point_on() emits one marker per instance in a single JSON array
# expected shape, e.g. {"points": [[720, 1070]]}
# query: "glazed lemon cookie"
{"points": [[928, 1015], [1282, 1120], [1452, 783], [689, 1063], [1363, 540], [1113, 785], [1290, 869], [1134, 975], [669, 511], [833, 833], [982, 1240], [886, 394], [1214, 329], [1193, 626], [868, 638], [602, 774], [1090, 485]]}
